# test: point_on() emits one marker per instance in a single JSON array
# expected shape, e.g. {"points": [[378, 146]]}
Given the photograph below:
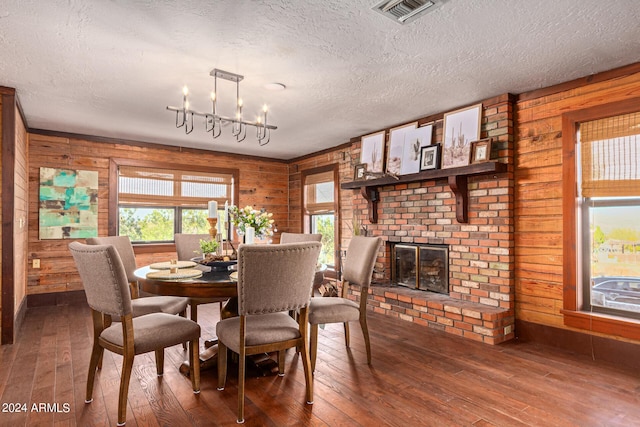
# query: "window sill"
{"points": [[150, 248], [603, 323]]}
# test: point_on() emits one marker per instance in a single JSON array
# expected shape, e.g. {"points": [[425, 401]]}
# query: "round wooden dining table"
{"points": [[213, 284]]}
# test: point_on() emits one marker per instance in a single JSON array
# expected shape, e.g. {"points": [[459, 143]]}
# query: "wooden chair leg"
{"points": [[281, 357], [183, 313], [241, 373], [365, 332], [106, 319], [96, 357], [313, 346], [222, 365], [160, 362], [194, 365], [194, 312], [346, 333], [308, 371], [127, 365]]}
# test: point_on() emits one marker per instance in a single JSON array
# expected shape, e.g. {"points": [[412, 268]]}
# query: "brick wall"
{"points": [[480, 304]]}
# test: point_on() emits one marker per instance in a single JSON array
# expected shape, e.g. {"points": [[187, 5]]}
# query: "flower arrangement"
{"points": [[245, 217]]}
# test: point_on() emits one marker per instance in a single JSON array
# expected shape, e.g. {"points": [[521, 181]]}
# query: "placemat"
{"points": [[166, 265], [184, 273]]}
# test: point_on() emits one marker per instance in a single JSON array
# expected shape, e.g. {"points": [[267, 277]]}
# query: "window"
{"points": [[154, 203], [578, 312], [609, 203], [320, 207]]}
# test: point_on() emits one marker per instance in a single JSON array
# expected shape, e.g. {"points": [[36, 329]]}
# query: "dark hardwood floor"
{"points": [[419, 377]]}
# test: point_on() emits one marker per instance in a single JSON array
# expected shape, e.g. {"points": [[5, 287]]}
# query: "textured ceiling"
{"points": [[109, 68]]}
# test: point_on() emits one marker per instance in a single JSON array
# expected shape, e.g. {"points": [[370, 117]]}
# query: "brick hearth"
{"points": [[491, 325]]}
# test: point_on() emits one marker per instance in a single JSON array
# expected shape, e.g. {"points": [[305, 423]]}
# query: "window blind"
{"points": [[166, 187], [610, 156], [319, 191]]}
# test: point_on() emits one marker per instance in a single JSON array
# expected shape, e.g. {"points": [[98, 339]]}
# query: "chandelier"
{"points": [[214, 121]]}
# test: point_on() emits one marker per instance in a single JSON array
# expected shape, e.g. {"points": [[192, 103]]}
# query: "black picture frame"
{"points": [[430, 157], [359, 172]]}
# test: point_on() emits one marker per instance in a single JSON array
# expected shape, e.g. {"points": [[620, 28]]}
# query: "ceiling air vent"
{"points": [[405, 11]]}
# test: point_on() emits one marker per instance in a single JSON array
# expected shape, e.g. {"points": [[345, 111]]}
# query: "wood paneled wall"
{"points": [[1, 219], [20, 212], [538, 191], [263, 184]]}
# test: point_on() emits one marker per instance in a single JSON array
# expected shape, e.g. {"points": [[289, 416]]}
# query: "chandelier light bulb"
{"points": [[185, 90], [213, 96], [265, 108], [259, 120], [240, 102]]}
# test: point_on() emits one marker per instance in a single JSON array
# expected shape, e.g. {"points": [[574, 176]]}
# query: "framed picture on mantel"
{"points": [[372, 152], [460, 128]]}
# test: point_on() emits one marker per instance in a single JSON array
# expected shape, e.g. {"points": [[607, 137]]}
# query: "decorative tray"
{"points": [[183, 273], [169, 265], [215, 265]]}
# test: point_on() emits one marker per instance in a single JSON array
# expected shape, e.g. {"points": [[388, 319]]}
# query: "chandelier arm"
{"points": [[244, 135], [268, 136], [179, 125], [186, 128]]}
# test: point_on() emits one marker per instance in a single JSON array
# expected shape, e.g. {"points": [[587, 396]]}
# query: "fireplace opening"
{"points": [[424, 267]]}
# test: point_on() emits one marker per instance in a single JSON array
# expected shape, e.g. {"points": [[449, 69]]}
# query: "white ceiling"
{"points": [[109, 68]]}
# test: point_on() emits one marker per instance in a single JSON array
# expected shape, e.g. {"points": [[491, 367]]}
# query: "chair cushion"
{"points": [[158, 304], [260, 329], [154, 331], [332, 310]]}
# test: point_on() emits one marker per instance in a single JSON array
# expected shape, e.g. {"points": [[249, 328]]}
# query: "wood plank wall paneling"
{"points": [[20, 209], [1, 206], [538, 181], [263, 183]]}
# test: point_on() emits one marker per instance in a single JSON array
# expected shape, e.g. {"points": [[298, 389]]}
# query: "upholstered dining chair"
{"points": [[305, 237], [147, 304], [299, 237], [105, 282], [358, 269], [187, 247], [272, 280]]}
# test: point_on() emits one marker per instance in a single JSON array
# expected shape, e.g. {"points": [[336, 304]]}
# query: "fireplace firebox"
{"points": [[424, 267]]}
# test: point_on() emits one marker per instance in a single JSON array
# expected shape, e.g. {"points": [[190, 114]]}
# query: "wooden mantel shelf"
{"points": [[457, 178]]}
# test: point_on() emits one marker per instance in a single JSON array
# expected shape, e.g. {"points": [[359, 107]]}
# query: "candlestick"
{"points": [[212, 227], [213, 209]]}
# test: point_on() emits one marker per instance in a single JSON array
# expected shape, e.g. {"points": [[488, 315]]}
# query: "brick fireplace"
{"points": [[478, 302]]}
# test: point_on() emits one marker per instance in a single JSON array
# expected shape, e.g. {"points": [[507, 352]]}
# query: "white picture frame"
{"points": [[395, 150], [414, 141], [461, 127], [372, 152]]}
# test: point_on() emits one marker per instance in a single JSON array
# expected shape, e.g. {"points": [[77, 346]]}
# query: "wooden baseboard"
{"points": [[608, 350], [57, 298]]}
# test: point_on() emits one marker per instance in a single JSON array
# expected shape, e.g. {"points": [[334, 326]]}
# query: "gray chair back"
{"points": [[299, 237], [188, 244], [104, 278], [360, 260], [125, 250], [275, 278]]}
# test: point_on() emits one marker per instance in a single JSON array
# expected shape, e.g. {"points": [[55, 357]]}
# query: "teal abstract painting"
{"points": [[68, 204]]}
